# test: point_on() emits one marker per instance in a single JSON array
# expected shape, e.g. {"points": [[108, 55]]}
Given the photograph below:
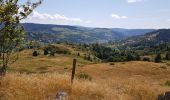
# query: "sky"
{"points": [[129, 14]]}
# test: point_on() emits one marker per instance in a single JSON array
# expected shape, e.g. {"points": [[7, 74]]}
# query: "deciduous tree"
{"points": [[11, 31]]}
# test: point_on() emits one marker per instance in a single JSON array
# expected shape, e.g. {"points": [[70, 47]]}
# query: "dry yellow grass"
{"points": [[120, 81], [46, 86], [131, 80]]}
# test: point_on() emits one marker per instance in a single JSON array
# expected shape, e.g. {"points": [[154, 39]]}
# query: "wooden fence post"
{"points": [[73, 70]]}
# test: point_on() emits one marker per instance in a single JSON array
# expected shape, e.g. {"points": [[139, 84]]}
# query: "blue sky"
{"points": [[104, 13]]}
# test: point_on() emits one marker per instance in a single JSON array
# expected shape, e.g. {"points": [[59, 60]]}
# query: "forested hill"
{"points": [[77, 34], [157, 37]]}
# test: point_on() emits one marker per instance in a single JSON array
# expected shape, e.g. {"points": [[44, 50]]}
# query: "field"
{"points": [[40, 78]]}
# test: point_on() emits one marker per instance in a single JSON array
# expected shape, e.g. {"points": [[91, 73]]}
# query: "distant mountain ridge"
{"points": [[133, 32], [156, 37], [77, 34]]}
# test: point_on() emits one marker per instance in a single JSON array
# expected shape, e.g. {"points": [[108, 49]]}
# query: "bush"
{"points": [[57, 49], [84, 76], [146, 59], [129, 57], [35, 53], [110, 59], [45, 52], [115, 59]]}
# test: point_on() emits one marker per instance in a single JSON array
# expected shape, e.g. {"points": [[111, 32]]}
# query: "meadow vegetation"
{"points": [[43, 76]]}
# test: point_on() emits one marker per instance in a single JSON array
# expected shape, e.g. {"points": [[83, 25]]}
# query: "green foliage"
{"points": [[73, 34], [52, 50], [84, 76], [108, 54], [11, 31], [110, 59], [129, 57]]}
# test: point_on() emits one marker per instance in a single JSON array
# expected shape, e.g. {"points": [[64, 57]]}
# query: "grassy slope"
{"points": [[119, 81], [42, 64], [139, 80]]}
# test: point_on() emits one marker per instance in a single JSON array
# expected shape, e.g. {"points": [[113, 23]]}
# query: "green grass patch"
{"points": [[84, 76]]}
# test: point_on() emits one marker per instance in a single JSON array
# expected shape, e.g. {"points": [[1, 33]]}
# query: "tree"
{"points": [[129, 57], [11, 31], [158, 58]]}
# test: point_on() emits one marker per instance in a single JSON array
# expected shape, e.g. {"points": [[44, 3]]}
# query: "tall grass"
{"points": [[46, 86]]}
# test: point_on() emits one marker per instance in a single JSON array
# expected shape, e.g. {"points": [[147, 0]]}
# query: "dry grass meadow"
{"points": [[40, 78]]}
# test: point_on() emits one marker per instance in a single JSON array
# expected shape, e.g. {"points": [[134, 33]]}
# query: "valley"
{"points": [[78, 34], [129, 67], [134, 80], [84, 50]]}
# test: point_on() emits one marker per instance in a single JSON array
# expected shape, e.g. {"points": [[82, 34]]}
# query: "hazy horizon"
{"points": [[91, 26]]}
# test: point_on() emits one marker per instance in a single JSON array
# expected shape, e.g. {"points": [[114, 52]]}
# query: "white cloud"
{"points": [[56, 17], [133, 1], [168, 20], [115, 16]]}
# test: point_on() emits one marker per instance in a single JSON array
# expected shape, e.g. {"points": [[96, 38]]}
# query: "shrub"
{"points": [[110, 59], [84, 76], [35, 53], [45, 52], [146, 59], [57, 49]]}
